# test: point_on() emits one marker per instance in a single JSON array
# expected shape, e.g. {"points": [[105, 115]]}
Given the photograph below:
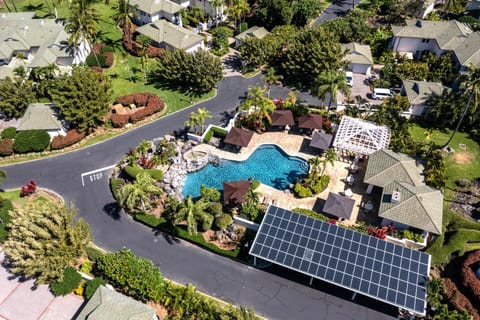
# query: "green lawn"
{"points": [[460, 233]]}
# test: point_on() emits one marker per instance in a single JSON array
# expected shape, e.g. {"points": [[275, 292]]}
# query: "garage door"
{"points": [[360, 68]]}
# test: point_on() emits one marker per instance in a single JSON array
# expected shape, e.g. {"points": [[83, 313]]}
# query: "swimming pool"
{"points": [[268, 163]]}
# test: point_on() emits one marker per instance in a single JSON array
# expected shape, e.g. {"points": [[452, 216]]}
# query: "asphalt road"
{"points": [[271, 295], [336, 9]]}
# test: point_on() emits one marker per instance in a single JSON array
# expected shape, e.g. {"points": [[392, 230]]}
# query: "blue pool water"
{"points": [[269, 164]]}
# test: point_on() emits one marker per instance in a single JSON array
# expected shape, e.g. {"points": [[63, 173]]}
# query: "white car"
{"points": [[349, 76]]}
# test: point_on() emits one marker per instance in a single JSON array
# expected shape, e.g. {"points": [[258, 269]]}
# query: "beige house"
{"points": [[36, 42], [418, 37], [170, 36], [406, 200], [255, 32], [149, 11], [419, 93], [359, 57], [42, 116]]}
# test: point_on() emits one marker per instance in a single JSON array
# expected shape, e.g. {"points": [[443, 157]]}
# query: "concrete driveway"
{"points": [[21, 300]]}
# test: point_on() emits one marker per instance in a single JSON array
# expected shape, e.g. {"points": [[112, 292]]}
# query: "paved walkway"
{"points": [[294, 145], [22, 301]]}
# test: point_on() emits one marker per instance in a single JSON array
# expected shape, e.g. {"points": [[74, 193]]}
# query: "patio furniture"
{"points": [[348, 192], [350, 179], [353, 168], [369, 206]]}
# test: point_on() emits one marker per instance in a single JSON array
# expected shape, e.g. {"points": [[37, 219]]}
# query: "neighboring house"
{"points": [[209, 7], [42, 116], [473, 8], [170, 36], [256, 32], [106, 304], [419, 94], [149, 11], [39, 42], [418, 37], [359, 57], [406, 200]]}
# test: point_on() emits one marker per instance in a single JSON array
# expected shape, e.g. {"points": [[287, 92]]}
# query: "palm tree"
{"points": [[270, 79], [143, 147], [139, 191], [144, 43], [315, 163], [190, 211], [125, 15], [263, 106], [252, 197], [238, 8], [192, 121], [330, 82], [81, 23], [216, 4], [202, 115], [471, 84], [329, 158]]}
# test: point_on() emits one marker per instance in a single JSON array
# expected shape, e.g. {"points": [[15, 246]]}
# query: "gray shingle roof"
{"points": [[358, 53], [162, 31], [154, 6], [39, 116], [419, 206], [448, 34], [257, 32], [418, 92], [385, 166], [19, 32], [468, 52], [107, 304]]}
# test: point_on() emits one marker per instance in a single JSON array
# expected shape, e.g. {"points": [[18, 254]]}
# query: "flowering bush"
{"points": [[332, 221], [380, 233], [28, 189], [73, 136], [150, 102]]}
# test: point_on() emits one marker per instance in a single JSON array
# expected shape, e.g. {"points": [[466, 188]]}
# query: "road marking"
{"points": [[95, 175]]}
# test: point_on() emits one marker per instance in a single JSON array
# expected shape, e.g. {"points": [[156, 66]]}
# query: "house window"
{"points": [[425, 40]]}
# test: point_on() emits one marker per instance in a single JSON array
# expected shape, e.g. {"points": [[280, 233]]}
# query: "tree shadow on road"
{"points": [[113, 209], [171, 239]]}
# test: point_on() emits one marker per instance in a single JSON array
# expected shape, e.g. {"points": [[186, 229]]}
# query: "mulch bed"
{"points": [[467, 201]]}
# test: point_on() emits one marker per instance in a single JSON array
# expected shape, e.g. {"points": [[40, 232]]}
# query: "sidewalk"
{"points": [[21, 300]]}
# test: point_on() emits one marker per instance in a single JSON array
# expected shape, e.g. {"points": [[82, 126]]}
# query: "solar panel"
{"points": [[364, 264]]}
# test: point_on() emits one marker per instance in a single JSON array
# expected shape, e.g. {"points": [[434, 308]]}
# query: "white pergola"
{"points": [[360, 136]]}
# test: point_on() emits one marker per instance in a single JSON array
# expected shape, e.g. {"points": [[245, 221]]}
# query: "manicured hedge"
{"points": [[6, 147], [150, 102], [119, 120], [31, 141], [156, 174], [9, 132], [133, 171], [470, 280], [92, 286], [214, 131], [91, 60], [72, 137], [115, 186], [223, 221], [71, 279]]}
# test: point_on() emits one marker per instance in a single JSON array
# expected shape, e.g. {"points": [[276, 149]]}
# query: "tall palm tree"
{"points": [[252, 197], [330, 82], [192, 121], [329, 158], [237, 9], [140, 191], [315, 164], [471, 84], [270, 79], [216, 4], [190, 211], [81, 23], [144, 43], [125, 14], [202, 115], [263, 106]]}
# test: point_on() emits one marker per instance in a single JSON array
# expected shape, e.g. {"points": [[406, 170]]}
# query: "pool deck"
{"points": [[294, 145]]}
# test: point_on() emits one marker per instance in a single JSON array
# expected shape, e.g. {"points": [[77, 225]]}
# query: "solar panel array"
{"points": [[364, 264]]}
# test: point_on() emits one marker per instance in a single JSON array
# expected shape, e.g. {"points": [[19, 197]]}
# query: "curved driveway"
{"points": [[270, 295]]}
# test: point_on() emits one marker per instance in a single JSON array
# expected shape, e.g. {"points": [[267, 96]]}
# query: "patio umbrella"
{"points": [[321, 140], [310, 121], [339, 205], [239, 137], [282, 118], [234, 191]]}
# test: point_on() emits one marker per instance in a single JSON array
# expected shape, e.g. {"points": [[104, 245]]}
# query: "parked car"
{"points": [[349, 76], [381, 93]]}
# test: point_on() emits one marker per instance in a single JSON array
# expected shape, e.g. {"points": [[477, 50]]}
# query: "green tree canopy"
{"points": [[83, 97], [81, 22], [197, 72], [353, 27], [15, 96], [272, 13], [44, 239], [313, 51]]}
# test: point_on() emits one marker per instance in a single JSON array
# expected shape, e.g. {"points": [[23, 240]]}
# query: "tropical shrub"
{"points": [[115, 185], [73, 136], [28, 189], [310, 213], [87, 267], [223, 221], [9, 132], [207, 222], [255, 184], [209, 194], [6, 147], [93, 253], [215, 208], [133, 171], [302, 191], [31, 141], [136, 277], [69, 281], [95, 60], [251, 211], [320, 184], [92, 286], [156, 174], [243, 27], [5, 208]]}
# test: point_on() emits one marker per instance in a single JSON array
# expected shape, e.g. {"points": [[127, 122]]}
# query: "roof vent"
{"points": [[419, 23], [396, 196]]}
